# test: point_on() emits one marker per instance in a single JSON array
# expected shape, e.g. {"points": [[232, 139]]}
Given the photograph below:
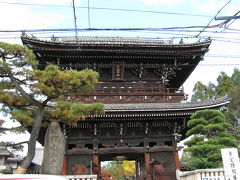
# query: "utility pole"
{"points": [[75, 20], [227, 17]]}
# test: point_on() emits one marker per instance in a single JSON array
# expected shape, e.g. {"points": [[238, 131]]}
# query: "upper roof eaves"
{"points": [[115, 42]]}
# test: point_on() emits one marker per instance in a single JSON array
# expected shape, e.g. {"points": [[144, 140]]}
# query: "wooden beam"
{"points": [[65, 165], [147, 165], [96, 167], [176, 159]]}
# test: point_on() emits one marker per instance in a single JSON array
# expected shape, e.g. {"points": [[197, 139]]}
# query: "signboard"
{"points": [[231, 163]]}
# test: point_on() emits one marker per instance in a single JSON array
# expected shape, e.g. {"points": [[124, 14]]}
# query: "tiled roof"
{"points": [[144, 110], [116, 42], [138, 42], [167, 106]]}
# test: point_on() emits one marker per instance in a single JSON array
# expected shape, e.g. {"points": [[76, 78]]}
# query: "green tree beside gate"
{"points": [[31, 95], [225, 85], [209, 132]]}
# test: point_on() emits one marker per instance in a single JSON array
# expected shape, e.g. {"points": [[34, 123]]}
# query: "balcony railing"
{"points": [[134, 89], [132, 93]]}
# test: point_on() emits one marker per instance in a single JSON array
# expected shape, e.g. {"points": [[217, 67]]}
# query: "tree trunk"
{"points": [[32, 142]]}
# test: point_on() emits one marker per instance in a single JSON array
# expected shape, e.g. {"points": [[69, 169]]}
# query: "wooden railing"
{"points": [[81, 177], [202, 174], [127, 89], [131, 93]]}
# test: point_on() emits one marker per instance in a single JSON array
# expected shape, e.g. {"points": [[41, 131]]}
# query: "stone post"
{"points": [[54, 147]]}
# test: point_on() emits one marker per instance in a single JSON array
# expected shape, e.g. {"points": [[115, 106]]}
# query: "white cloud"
{"points": [[161, 2], [17, 17], [210, 6], [213, 6], [51, 2], [23, 16]]}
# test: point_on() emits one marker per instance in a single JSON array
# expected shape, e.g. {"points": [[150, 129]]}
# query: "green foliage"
{"points": [[24, 88], [70, 113], [210, 134], [197, 163], [226, 85], [52, 82], [233, 113], [202, 163], [202, 92], [120, 171], [30, 95]]}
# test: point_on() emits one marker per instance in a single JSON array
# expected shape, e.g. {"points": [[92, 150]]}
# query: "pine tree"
{"points": [[226, 85], [210, 134], [33, 97]]}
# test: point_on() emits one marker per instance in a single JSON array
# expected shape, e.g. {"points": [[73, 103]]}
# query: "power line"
{"points": [[124, 29], [172, 29], [213, 18], [109, 9], [146, 11], [227, 25], [119, 29], [175, 32], [163, 38]]}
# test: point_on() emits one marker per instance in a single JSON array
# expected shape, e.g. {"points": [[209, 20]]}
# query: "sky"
{"points": [[151, 15]]}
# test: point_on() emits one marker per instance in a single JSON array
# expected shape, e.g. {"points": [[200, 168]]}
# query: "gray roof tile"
{"points": [[168, 106]]}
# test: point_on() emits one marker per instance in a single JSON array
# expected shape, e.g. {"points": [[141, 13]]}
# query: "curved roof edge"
{"points": [[166, 107], [115, 41]]}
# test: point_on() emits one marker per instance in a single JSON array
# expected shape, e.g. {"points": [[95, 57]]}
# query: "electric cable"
{"points": [[213, 18], [103, 8]]}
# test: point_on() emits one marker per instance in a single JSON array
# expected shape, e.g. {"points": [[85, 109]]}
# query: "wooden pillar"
{"points": [[176, 159], [65, 165], [96, 165], [148, 166]]}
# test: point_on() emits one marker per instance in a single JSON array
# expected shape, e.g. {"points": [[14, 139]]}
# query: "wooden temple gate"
{"points": [[140, 86], [147, 143]]}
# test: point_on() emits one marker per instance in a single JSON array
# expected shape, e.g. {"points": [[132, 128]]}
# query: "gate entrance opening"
{"points": [[119, 170], [127, 166]]}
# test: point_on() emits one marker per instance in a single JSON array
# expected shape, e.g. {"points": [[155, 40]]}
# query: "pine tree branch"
{"points": [[20, 89], [17, 144], [2, 130]]}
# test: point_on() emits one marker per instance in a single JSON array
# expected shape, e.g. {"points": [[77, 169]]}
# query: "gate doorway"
{"points": [[115, 170], [123, 166]]}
